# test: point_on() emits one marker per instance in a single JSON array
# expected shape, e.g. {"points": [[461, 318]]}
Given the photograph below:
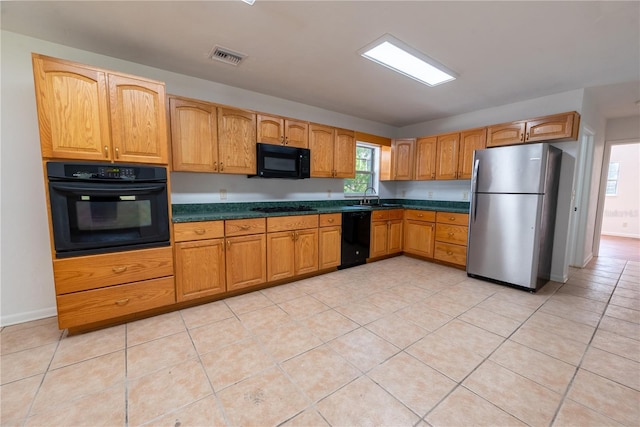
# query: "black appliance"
{"points": [[277, 209], [356, 227], [98, 208], [279, 161]]}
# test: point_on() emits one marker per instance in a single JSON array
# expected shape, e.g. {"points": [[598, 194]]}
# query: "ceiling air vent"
{"points": [[227, 56]]}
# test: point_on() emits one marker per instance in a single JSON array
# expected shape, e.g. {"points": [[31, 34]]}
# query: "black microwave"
{"points": [[280, 161]]}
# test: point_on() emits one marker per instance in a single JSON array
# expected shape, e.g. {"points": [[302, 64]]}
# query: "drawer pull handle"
{"points": [[330, 220], [452, 218], [106, 151], [450, 234], [122, 302], [245, 227], [120, 269], [117, 153], [449, 253], [215, 166], [420, 215], [199, 231]]}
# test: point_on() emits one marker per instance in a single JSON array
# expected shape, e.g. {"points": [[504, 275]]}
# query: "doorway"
{"points": [[620, 214]]}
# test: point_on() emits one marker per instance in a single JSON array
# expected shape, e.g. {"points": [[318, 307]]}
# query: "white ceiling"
{"points": [[306, 51]]}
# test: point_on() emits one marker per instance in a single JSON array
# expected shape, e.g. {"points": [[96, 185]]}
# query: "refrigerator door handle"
{"points": [[474, 187]]}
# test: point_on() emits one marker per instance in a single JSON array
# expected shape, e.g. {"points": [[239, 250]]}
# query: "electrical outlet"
{"points": [[328, 194], [465, 195], [223, 194], [430, 195], [625, 224]]}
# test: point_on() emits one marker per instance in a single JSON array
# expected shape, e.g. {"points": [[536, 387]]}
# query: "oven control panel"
{"points": [[116, 172], [108, 172]]}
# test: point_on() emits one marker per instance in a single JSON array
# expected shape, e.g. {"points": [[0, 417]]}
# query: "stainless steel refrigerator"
{"points": [[514, 192]]}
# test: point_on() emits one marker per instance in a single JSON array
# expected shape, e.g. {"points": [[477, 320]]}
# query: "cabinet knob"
{"points": [[122, 302], [221, 166], [420, 215], [286, 140], [526, 138], [449, 253], [228, 243], [106, 151], [521, 137], [450, 234], [451, 218], [215, 166], [199, 231], [117, 153], [120, 269]]}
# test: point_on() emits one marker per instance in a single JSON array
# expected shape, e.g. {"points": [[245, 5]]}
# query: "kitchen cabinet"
{"points": [[329, 238], [426, 155], [292, 246], [246, 253], [470, 140], [236, 141], [199, 259], [419, 232], [402, 159], [87, 113], [451, 238], [554, 127], [100, 287], [194, 135], [447, 156], [386, 232], [333, 152], [282, 131]]}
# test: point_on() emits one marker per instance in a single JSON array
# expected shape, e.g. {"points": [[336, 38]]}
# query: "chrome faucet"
{"points": [[366, 201]]}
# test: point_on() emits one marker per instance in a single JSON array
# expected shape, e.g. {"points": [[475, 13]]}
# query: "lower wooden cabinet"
{"points": [[419, 232], [452, 232], [246, 261], [329, 241], [200, 269], [386, 233], [293, 251]]}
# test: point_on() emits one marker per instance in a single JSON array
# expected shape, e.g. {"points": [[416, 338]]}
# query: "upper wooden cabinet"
{"points": [[426, 154], [236, 141], [87, 113], [333, 152], [558, 126], [470, 140], [447, 156], [194, 135], [282, 131], [402, 159]]}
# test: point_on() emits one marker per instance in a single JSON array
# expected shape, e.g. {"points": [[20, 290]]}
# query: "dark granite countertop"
{"points": [[218, 211]]}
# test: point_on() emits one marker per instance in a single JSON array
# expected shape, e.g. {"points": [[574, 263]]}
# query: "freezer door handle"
{"points": [[474, 187]]}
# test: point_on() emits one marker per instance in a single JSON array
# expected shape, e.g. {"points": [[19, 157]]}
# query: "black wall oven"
{"points": [[98, 208]]}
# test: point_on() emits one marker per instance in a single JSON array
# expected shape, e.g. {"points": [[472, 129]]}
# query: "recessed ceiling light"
{"points": [[402, 58]]}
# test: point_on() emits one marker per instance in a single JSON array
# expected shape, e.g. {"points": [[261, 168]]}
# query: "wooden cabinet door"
{"points": [[394, 238], [402, 158], [236, 141], [447, 154], [419, 238], [73, 111], [200, 269], [379, 236], [296, 133], [280, 255], [344, 154], [270, 129], [138, 120], [306, 257], [329, 247], [194, 136], [551, 127], [470, 141], [246, 261], [321, 143], [426, 153], [505, 134]]}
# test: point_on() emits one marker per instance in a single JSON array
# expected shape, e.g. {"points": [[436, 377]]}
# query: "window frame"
{"points": [[612, 180], [374, 172]]}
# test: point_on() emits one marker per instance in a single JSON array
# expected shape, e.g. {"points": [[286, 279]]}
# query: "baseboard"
{"points": [[559, 279], [14, 319], [630, 236]]}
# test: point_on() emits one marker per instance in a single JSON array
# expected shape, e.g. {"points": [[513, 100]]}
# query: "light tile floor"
{"points": [[399, 342]]}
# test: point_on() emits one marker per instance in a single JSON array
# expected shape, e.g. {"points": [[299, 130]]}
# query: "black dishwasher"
{"points": [[356, 228]]}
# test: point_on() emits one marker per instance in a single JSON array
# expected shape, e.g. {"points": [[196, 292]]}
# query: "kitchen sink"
{"points": [[357, 207], [390, 205]]}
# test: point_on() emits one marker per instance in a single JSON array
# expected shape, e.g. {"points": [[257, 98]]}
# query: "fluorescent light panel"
{"points": [[396, 55]]}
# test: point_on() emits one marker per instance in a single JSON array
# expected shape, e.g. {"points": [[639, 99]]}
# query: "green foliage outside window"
{"points": [[364, 171]]}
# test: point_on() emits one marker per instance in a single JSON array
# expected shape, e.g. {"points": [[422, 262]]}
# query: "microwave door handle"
{"points": [[108, 189]]}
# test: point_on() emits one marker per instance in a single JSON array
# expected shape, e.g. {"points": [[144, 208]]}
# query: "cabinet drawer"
{"points": [[419, 215], [293, 222], [97, 271], [188, 231], [328, 220], [87, 307], [456, 234], [379, 215], [453, 218], [454, 254], [242, 227]]}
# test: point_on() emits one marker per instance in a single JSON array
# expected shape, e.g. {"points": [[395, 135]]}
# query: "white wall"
{"points": [[26, 288], [624, 128], [621, 217]]}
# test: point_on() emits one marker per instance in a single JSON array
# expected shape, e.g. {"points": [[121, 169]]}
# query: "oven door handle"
{"points": [[108, 189]]}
